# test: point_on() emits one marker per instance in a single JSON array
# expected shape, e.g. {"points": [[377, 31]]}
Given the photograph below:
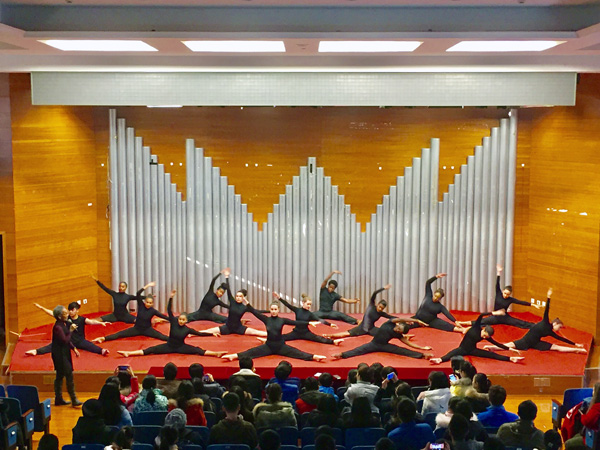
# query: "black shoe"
{"points": [[61, 402], [76, 403]]}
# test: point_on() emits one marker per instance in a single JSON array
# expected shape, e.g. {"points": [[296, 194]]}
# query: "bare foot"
{"points": [[409, 336], [105, 352], [328, 336], [31, 352], [261, 339], [319, 358], [99, 340], [435, 360], [338, 341], [336, 356], [428, 356], [229, 357], [220, 354], [581, 350], [516, 359], [123, 353]]}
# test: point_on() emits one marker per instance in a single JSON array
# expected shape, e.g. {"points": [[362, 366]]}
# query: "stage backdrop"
{"points": [[182, 244]]}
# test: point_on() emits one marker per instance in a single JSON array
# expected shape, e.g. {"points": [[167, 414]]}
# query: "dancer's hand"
{"points": [[276, 296], [226, 271], [387, 286], [173, 292], [151, 284], [333, 325], [499, 269], [579, 345], [314, 323], [337, 272], [549, 292], [518, 352], [427, 347], [536, 306], [76, 352], [440, 275], [435, 360]]}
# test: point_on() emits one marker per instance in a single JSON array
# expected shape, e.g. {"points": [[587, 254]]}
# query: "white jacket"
{"points": [[435, 401]]}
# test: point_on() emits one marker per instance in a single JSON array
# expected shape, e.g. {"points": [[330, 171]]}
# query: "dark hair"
{"points": [[468, 368], [149, 383], [231, 402], [222, 286], [438, 380], [324, 442], [240, 381], [406, 410], [493, 443], [168, 437], [273, 392], [483, 383], [185, 392], [441, 292], [552, 440], [196, 370], [335, 283], [124, 282], [114, 379], [124, 437], [244, 407], [325, 379], [198, 386], [387, 370], [327, 404], [362, 364], [311, 384], [453, 402], [73, 305], [489, 330], [376, 373], [458, 427], [170, 371], [404, 390], [558, 321], [110, 397], [455, 363], [269, 440], [385, 443], [365, 374], [48, 442], [508, 287], [360, 413], [463, 408], [283, 370], [527, 411], [497, 395], [245, 362], [124, 378], [382, 302], [352, 376], [244, 292]]}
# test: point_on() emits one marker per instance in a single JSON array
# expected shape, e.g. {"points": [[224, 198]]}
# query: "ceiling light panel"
{"points": [[367, 46], [503, 46], [113, 45], [236, 46]]}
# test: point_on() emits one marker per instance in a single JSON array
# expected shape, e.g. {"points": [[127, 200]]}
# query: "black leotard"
{"points": [[533, 338], [429, 310], [381, 343], [120, 302], [326, 301], [143, 324], [370, 316], [233, 325], [301, 331], [468, 345], [209, 302], [503, 303]]}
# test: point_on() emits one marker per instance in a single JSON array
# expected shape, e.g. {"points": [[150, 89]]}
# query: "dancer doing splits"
{"points": [[544, 328], [502, 302], [394, 328], [328, 297], [143, 323], [432, 306], [61, 356], [275, 344], [211, 299], [235, 323], [120, 301], [77, 335], [468, 345], [177, 334]]}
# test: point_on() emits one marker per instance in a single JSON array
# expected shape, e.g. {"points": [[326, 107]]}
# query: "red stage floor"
{"points": [[535, 362]]}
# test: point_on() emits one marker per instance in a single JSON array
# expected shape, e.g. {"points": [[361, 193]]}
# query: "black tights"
{"points": [[134, 331], [372, 347]]}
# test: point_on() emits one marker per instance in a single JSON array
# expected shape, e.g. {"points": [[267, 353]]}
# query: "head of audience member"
{"points": [[269, 440], [124, 438], [385, 444], [527, 411], [196, 370], [324, 442], [92, 409], [497, 395], [274, 393], [241, 295], [311, 384], [455, 363], [332, 285], [404, 390], [48, 442], [463, 408], [376, 373], [114, 380], [306, 302], [361, 364], [176, 418], [438, 380], [481, 383], [327, 405], [239, 381], [283, 370], [243, 397], [365, 374], [360, 412], [124, 378], [221, 290], [493, 443], [149, 384], [324, 429], [553, 440], [110, 397], [438, 295], [458, 428], [452, 404], [168, 437], [325, 380], [185, 392], [387, 370], [352, 376], [198, 386], [231, 405], [246, 362], [467, 370], [406, 410], [170, 371], [122, 286]]}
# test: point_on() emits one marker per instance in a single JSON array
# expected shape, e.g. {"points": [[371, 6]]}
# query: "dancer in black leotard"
{"points": [[177, 334], [120, 301], [468, 345], [210, 300], [432, 306], [275, 344], [502, 302], [394, 328], [77, 335], [237, 308], [542, 329], [143, 323], [327, 298]]}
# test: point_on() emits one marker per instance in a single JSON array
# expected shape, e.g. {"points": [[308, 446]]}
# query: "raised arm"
{"points": [[256, 313], [211, 288], [376, 293], [324, 283], [477, 322], [285, 302], [219, 302], [138, 295], [170, 305], [498, 273], [428, 283], [104, 288], [46, 310], [547, 309]]}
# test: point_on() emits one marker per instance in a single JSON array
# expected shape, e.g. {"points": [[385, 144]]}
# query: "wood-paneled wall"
{"points": [[60, 156]]}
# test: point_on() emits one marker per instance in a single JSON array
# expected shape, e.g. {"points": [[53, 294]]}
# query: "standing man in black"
{"points": [[327, 299], [61, 356]]}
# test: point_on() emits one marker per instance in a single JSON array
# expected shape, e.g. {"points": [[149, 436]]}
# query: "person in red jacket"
{"points": [[590, 420], [192, 406], [310, 396]]}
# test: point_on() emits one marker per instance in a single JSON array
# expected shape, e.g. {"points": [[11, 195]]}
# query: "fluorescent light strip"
{"points": [[503, 46], [81, 45], [236, 46], [367, 46]]}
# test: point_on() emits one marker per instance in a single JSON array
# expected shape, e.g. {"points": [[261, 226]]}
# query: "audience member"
{"points": [[177, 419], [290, 386], [254, 383], [523, 433], [384, 444], [151, 398], [246, 405], [403, 390], [211, 387], [495, 415], [269, 440], [376, 376], [352, 376], [90, 428], [477, 394], [326, 413], [276, 413], [363, 388], [167, 438], [476, 430], [115, 413], [326, 385], [436, 397], [309, 398], [360, 415], [169, 384], [233, 429], [443, 419], [192, 406], [199, 392], [388, 385], [324, 442], [459, 430], [553, 440], [493, 443], [591, 420], [466, 373], [123, 439], [409, 435], [129, 386]]}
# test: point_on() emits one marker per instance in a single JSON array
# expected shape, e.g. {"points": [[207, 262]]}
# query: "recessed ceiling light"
{"points": [[82, 45], [235, 46], [503, 46], [368, 46]]}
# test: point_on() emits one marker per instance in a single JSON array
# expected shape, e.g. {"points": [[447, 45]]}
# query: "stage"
{"points": [[540, 372]]}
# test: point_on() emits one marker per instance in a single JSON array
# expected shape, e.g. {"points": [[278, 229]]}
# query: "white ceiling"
{"points": [[301, 24]]}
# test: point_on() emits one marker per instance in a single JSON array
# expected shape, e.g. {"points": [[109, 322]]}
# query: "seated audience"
{"points": [[436, 397], [376, 376], [590, 420], [363, 388], [233, 429], [129, 386], [167, 438], [309, 398], [495, 415], [246, 405], [115, 413], [476, 430], [360, 415], [90, 428], [384, 444], [388, 385], [553, 441], [466, 373], [290, 386], [352, 377], [48, 441], [211, 387], [169, 384], [477, 394], [253, 381], [199, 392], [326, 413], [269, 440], [459, 429], [177, 420], [123, 439], [443, 419], [403, 390], [151, 398], [409, 435], [493, 443], [276, 413], [324, 442], [522, 433], [326, 385], [192, 406]]}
